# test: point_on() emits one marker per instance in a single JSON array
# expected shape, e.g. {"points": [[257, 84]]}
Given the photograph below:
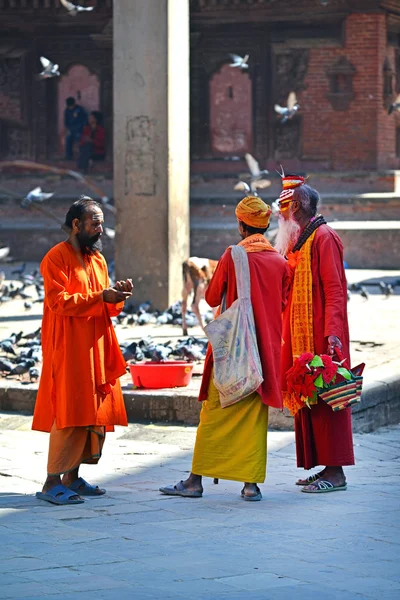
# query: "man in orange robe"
{"points": [[231, 442], [315, 320], [79, 395]]}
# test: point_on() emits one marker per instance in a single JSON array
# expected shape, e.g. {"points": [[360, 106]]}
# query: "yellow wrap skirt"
{"points": [[231, 443]]}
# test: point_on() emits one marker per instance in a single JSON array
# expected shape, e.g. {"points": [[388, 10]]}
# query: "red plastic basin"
{"points": [[172, 373]]}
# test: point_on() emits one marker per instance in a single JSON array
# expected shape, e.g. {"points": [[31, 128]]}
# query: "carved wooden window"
{"points": [[340, 76]]}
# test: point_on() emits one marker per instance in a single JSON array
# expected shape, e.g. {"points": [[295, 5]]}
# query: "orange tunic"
{"points": [[82, 360]]}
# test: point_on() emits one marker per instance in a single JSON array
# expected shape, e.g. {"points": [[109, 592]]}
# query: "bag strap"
{"points": [[242, 271]]}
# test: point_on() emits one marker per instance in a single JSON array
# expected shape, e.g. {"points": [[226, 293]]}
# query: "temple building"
{"points": [[340, 57]]}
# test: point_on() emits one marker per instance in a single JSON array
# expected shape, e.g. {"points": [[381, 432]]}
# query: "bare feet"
{"points": [[193, 483], [251, 490]]}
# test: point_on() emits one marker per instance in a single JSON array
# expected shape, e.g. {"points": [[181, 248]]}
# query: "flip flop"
{"points": [[254, 498], [87, 489], [180, 490], [59, 495], [323, 486], [309, 479]]}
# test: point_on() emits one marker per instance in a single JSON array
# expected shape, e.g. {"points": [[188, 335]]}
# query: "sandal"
{"points": [[323, 486], [60, 495], [83, 488], [180, 490], [309, 479]]}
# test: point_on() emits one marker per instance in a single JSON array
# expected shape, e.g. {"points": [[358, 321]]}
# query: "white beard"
{"points": [[287, 236]]}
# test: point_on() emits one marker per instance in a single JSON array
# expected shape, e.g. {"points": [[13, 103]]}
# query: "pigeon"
{"points": [[161, 353], [33, 335], [74, 9], [27, 305], [36, 195], [22, 367], [256, 177], [49, 69], [355, 287], [394, 106], [4, 252], [382, 285], [192, 353], [6, 365], [14, 338], [288, 111], [364, 293], [164, 318], [34, 374], [238, 61], [19, 270], [388, 290], [7, 347]]}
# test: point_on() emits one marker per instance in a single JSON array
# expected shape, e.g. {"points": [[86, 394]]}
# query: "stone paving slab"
{"points": [[134, 543]]}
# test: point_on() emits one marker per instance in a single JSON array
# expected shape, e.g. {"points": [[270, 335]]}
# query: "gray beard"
{"points": [[287, 236]]}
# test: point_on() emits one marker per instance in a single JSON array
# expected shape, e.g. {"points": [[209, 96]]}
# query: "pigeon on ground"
{"points": [[36, 195], [33, 335], [161, 353], [34, 373], [19, 270], [238, 61], [388, 290], [21, 367], [394, 106], [74, 9], [287, 112], [49, 69], [6, 365], [27, 305], [364, 293], [8, 348]]}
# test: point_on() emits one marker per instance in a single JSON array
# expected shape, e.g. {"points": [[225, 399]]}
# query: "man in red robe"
{"points": [[315, 254], [79, 396], [231, 442]]}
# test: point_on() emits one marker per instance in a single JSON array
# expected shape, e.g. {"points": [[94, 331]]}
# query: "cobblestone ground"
{"points": [[134, 543]]}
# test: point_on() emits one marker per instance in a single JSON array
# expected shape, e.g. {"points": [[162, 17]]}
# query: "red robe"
{"points": [[323, 437], [270, 277]]}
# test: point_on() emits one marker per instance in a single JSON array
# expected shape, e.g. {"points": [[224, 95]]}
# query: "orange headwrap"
{"points": [[254, 212]]}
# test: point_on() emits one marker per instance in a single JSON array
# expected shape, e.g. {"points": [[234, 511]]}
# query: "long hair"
{"points": [[78, 209]]}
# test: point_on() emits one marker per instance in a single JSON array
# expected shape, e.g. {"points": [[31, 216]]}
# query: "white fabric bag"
{"points": [[232, 335]]}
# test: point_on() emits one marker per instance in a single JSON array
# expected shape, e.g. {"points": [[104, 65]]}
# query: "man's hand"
{"points": [[114, 296], [333, 342], [124, 286]]}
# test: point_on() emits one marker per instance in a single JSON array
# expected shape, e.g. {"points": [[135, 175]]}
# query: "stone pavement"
{"points": [[136, 544]]}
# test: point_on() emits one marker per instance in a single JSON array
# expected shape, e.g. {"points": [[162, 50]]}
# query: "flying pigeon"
{"points": [[49, 69], [74, 9], [288, 111], [238, 61], [256, 177], [36, 195], [395, 105]]}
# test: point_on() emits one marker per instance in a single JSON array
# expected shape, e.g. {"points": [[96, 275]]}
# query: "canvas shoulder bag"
{"points": [[232, 335]]}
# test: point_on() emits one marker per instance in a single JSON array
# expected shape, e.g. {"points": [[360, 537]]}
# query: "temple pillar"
{"points": [[151, 145]]}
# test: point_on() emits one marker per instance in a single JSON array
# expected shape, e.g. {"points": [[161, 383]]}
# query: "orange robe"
{"points": [[82, 361]]}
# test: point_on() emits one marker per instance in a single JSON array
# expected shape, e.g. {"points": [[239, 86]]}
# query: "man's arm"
{"points": [[217, 286], [331, 273], [73, 305]]}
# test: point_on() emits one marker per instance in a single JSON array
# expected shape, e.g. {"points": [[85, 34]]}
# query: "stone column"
{"points": [[151, 145]]}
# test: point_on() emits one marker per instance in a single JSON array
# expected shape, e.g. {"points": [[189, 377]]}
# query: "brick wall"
{"points": [[363, 136]]}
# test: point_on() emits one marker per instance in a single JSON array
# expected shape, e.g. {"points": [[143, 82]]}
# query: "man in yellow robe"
{"points": [[231, 442], [79, 395]]}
